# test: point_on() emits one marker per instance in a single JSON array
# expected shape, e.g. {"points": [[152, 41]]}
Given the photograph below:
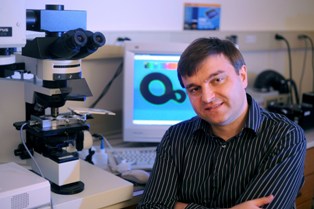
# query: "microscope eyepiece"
{"points": [[69, 44], [95, 40], [79, 38], [98, 39], [76, 44]]}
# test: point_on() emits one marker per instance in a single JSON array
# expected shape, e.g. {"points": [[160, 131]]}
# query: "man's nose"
{"points": [[207, 95]]}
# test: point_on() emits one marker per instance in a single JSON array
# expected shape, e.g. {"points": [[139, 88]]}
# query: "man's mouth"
{"points": [[213, 106]]}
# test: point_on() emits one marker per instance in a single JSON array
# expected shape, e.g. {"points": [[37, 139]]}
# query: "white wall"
{"points": [[167, 15]]}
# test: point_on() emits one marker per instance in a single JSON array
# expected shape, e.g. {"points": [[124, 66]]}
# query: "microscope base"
{"points": [[102, 189], [68, 189], [61, 174]]}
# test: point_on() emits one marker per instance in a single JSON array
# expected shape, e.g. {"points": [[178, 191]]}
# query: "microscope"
{"points": [[53, 138]]}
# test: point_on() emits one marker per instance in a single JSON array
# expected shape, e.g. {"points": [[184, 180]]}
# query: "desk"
{"points": [[309, 134], [306, 195], [102, 189], [129, 204]]}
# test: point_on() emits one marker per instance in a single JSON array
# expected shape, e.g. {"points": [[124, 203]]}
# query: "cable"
{"points": [[102, 137], [295, 89], [32, 157], [302, 36], [280, 37], [107, 87], [303, 66], [27, 150]]}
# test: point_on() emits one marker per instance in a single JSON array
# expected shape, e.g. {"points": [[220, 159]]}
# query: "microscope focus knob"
{"points": [[84, 140]]}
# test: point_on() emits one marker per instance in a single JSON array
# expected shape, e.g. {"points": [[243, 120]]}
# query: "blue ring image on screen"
{"points": [[154, 76], [165, 91]]}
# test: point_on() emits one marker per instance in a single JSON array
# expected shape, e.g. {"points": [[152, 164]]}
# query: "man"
{"points": [[233, 154]]}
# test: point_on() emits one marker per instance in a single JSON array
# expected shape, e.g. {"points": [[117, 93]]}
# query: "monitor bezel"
{"points": [[133, 132]]}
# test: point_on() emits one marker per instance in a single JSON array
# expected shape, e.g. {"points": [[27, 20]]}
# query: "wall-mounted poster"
{"points": [[201, 16]]}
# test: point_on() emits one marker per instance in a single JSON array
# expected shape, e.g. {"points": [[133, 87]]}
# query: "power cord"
{"points": [[295, 89], [280, 37], [107, 87], [102, 137], [304, 63], [31, 156], [28, 151], [306, 37]]}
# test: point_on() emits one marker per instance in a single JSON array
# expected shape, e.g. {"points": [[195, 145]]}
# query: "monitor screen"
{"points": [[153, 99]]}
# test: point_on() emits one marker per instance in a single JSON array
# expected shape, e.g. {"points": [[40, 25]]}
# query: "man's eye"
{"points": [[194, 90], [218, 80]]}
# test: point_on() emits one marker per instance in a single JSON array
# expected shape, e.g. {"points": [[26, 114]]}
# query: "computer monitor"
{"points": [[153, 99]]}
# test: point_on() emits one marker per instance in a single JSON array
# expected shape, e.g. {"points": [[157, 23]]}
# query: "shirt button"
{"points": [[223, 146]]}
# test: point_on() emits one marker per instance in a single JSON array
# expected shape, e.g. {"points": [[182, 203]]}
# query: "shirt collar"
{"points": [[253, 121]]}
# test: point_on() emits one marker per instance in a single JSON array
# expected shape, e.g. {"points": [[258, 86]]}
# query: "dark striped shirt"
{"points": [[196, 167]]}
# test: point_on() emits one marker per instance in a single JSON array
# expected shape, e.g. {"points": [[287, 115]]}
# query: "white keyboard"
{"points": [[139, 157]]}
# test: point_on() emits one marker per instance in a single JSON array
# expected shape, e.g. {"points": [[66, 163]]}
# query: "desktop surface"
{"points": [[102, 189]]}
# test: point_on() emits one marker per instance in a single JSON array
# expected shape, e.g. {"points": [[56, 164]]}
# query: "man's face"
{"points": [[217, 92]]}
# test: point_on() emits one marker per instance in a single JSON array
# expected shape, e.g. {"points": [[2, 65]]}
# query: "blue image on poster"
{"points": [[202, 17]]}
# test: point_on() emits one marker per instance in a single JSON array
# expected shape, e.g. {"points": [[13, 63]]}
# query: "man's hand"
{"points": [[251, 204], [255, 204], [180, 205]]}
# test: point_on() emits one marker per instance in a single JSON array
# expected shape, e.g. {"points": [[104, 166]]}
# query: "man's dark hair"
{"points": [[201, 48]]}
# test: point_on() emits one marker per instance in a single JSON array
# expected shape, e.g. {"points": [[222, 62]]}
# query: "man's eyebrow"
{"points": [[218, 72], [215, 74], [211, 76], [190, 85]]}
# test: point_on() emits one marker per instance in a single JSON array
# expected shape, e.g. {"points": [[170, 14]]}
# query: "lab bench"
{"points": [[304, 199]]}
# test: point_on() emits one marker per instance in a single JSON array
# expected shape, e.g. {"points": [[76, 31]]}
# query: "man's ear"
{"points": [[243, 75]]}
